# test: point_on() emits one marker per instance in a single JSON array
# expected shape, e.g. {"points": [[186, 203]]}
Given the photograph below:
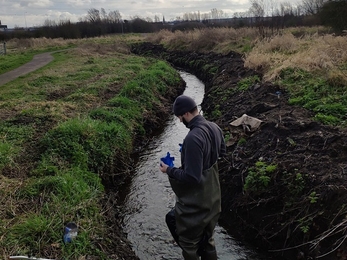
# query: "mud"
{"points": [[296, 211]]}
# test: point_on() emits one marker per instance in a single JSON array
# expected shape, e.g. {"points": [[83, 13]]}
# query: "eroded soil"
{"points": [[296, 211]]}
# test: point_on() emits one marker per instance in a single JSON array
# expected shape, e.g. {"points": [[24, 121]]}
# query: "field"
{"points": [[67, 131]]}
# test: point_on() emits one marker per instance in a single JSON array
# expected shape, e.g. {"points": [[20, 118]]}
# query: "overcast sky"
{"points": [[29, 13]]}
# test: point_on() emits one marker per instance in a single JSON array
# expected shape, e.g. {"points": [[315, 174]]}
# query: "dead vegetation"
{"points": [[310, 49]]}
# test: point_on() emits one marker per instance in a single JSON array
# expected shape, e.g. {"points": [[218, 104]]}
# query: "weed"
{"points": [[304, 224], [294, 182], [304, 228], [245, 83], [241, 141], [313, 197], [210, 69], [259, 177], [216, 112], [227, 136]]}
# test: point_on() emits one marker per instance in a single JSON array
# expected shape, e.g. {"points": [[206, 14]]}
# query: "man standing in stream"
{"points": [[196, 183]]}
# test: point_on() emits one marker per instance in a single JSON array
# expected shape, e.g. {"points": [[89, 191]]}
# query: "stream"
{"points": [[150, 196]]}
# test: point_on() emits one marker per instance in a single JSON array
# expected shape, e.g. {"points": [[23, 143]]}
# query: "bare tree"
{"points": [[205, 16], [220, 14], [104, 15], [312, 6], [257, 8], [286, 9], [148, 19], [49, 23], [93, 15], [115, 16], [272, 7], [241, 14], [214, 13], [192, 16], [299, 10]]}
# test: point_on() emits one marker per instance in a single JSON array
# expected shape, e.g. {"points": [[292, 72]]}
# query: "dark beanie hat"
{"points": [[183, 104]]}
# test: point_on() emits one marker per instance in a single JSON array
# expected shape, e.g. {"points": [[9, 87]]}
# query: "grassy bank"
{"points": [[310, 63], [64, 129]]}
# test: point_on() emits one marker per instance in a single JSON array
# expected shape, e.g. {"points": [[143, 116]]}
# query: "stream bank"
{"points": [[149, 196], [295, 168]]}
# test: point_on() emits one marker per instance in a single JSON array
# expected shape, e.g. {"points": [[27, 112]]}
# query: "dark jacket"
{"points": [[201, 148]]}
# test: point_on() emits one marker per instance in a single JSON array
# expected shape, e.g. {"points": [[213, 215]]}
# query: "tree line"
{"points": [[263, 14]]}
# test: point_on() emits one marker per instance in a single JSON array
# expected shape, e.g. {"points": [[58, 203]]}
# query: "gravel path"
{"points": [[37, 62]]}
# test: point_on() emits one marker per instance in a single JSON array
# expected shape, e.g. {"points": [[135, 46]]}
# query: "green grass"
{"points": [[11, 61], [15, 58], [246, 83], [70, 195], [11, 138], [316, 93], [77, 119]]}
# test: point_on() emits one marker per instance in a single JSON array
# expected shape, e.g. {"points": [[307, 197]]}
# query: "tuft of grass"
{"points": [[11, 138], [247, 82]]}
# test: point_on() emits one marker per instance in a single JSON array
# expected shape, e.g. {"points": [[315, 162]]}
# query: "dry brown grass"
{"points": [[315, 53], [118, 43], [38, 43], [8, 189], [221, 40], [85, 49], [310, 49]]}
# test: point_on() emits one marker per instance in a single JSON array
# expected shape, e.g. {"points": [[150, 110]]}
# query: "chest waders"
{"points": [[197, 210]]}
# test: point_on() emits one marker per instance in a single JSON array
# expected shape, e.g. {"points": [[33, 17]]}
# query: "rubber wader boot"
{"points": [[209, 255]]}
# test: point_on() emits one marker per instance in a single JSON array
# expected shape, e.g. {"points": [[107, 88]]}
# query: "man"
{"points": [[196, 183]]}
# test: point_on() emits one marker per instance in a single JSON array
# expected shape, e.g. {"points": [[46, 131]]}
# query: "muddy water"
{"points": [[150, 196]]}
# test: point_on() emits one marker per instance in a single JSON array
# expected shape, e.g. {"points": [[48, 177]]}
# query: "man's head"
{"points": [[183, 104], [185, 109]]}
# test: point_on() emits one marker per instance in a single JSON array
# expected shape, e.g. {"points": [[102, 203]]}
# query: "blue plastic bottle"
{"points": [[70, 232]]}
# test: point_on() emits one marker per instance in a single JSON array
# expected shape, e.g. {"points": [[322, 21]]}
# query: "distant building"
{"points": [[2, 27]]}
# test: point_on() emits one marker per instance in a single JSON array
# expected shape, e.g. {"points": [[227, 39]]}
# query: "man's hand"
{"points": [[163, 167]]}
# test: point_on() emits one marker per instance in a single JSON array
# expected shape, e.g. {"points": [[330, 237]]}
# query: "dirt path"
{"points": [[37, 62]]}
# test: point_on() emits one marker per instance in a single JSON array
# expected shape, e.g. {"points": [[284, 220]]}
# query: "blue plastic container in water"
{"points": [[168, 160]]}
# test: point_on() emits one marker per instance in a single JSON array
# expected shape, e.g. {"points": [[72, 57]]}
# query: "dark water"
{"points": [[150, 196]]}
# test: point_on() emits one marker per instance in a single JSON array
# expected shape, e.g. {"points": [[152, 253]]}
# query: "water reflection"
{"points": [[151, 197]]}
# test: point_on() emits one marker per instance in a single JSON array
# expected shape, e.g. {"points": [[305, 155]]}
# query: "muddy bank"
{"points": [[294, 167]]}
